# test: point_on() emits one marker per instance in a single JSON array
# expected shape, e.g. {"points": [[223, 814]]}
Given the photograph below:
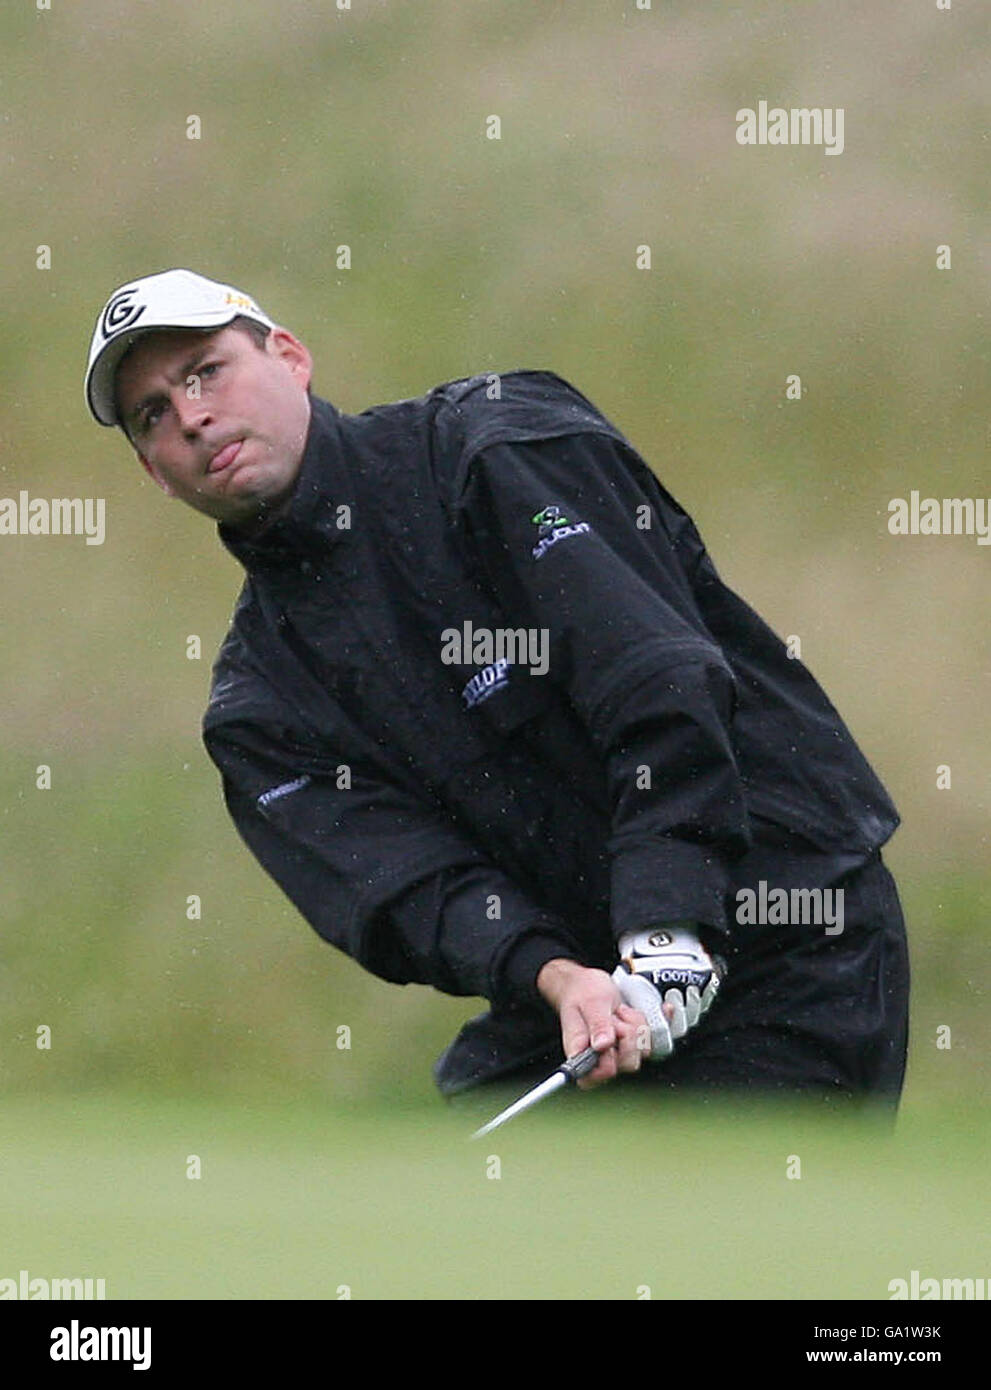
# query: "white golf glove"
{"points": [[667, 965]]}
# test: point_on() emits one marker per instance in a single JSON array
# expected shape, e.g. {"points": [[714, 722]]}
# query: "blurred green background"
{"points": [[366, 127]]}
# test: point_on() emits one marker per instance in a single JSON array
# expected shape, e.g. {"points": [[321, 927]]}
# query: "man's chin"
{"points": [[244, 495], [252, 513]]}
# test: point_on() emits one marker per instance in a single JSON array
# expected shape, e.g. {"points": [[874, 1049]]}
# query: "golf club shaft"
{"points": [[571, 1070]]}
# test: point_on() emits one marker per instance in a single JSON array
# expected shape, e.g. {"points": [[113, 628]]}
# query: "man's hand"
{"points": [[668, 974], [593, 1014]]}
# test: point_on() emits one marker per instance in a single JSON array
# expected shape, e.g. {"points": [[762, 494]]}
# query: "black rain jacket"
{"points": [[454, 818]]}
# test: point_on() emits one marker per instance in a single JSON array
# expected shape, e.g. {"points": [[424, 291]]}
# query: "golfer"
{"points": [[489, 716]]}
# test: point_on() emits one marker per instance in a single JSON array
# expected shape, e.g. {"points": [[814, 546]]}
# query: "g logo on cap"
{"points": [[120, 313]]}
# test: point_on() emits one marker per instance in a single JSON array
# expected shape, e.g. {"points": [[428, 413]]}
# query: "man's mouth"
{"points": [[226, 456]]}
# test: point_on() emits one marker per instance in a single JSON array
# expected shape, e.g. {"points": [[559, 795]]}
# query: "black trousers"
{"points": [[800, 1011], [827, 1013]]}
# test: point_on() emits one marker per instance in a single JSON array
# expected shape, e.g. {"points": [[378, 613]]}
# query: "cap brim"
{"points": [[100, 378]]}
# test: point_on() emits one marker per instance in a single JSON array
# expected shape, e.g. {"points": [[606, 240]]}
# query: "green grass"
{"points": [[597, 1197]]}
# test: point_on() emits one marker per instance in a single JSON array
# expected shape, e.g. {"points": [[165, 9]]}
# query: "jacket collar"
{"points": [[306, 523]]}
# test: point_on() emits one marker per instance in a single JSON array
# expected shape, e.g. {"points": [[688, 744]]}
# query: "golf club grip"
{"points": [[580, 1065]]}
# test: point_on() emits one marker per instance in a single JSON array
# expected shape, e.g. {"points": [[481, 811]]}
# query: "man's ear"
{"points": [[153, 472], [294, 354]]}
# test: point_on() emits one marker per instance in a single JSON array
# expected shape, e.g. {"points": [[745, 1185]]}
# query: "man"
{"points": [[487, 714]]}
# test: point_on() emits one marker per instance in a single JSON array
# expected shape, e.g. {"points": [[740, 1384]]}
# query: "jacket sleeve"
{"points": [[380, 873], [572, 537]]}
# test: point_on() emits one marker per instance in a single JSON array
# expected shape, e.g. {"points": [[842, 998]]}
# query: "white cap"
{"points": [[172, 299]]}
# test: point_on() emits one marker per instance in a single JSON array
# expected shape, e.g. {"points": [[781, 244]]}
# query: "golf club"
{"points": [[571, 1070]]}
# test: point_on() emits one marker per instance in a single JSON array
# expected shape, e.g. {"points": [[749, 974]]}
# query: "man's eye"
{"points": [[209, 368], [151, 418]]}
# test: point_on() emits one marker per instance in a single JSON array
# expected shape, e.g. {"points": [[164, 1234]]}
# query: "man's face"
{"points": [[216, 420]]}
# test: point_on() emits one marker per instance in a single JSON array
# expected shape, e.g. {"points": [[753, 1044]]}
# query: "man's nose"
{"points": [[194, 414]]}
